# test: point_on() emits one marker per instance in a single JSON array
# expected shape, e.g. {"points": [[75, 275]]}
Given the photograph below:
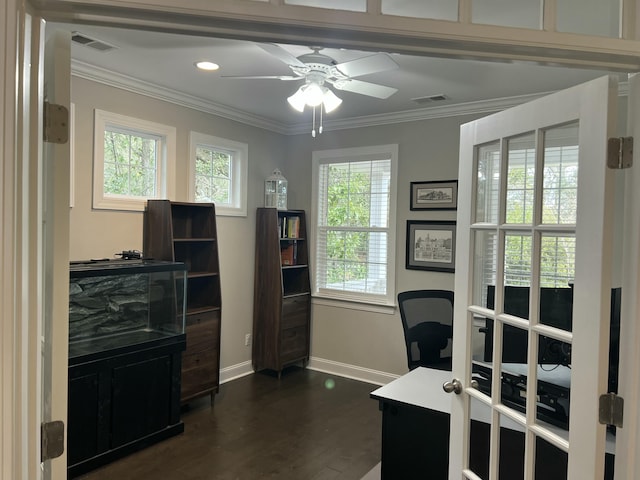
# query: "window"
{"points": [[219, 173], [354, 228], [134, 160]]}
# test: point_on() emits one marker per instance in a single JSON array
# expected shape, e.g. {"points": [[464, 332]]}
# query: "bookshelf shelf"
{"points": [[282, 292], [186, 232]]}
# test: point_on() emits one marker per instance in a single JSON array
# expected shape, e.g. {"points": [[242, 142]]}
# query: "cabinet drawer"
{"points": [[199, 372], [295, 312], [203, 331], [294, 343]]}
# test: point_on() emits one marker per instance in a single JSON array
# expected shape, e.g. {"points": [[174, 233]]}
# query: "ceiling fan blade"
{"points": [[365, 88], [273, 77], [281, 54], [365, 65]]}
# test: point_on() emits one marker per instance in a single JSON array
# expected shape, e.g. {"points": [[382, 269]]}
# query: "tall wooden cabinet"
{"points": [[186, 232], [282, 294]]}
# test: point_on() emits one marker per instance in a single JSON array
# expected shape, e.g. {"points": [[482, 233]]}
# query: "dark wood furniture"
{"points": [[186, 232], [282, 294], [415, 434], [125, 350], [122, 401]]}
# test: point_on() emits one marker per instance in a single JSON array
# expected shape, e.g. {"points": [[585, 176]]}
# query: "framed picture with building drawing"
{"points": [[441, 195], [431, 245]]}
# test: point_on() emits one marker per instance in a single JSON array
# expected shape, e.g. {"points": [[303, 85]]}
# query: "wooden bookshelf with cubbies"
{"points": [[186, 232], [282, 293]]}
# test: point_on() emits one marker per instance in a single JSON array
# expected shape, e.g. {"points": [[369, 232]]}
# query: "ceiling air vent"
{"points": [[82, 39], [429, 99]]}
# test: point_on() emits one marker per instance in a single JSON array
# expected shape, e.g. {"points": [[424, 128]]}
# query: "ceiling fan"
{"points": [[319, 70]]}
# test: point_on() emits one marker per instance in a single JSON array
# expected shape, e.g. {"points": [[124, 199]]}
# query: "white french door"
{"points": [[533, 288]]}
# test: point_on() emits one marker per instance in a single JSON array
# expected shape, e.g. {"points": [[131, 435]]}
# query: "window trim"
{"points": [[343, 155], [239, 171], [166, 167]]}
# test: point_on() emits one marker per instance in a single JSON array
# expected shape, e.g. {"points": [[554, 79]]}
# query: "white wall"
{"points": [[428, 150], [102, 233]]}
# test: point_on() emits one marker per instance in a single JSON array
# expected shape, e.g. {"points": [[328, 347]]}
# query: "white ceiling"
{"points": [[167, 60]]}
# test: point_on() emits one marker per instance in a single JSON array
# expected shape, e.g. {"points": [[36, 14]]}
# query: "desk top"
{"points": [[422, 387]]}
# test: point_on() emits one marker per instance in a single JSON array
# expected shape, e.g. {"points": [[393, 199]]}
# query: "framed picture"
{"points": [[431, 245], [441, 195]]}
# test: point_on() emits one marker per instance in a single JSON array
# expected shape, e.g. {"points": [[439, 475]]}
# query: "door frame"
{"points": [[17, 447]]}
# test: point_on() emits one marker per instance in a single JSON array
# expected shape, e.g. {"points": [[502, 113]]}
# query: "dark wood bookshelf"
{"points": [[186, 232], [282, 292]]}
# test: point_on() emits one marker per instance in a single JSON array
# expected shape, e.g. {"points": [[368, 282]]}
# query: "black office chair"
{"points": [[427, 319]]}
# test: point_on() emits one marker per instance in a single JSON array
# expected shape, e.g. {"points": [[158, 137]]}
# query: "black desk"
{"points": [[415, 434]]}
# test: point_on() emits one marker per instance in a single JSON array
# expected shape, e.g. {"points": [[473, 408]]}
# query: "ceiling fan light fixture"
{"points": [[331, 101], [313, 94], [297, 100]]}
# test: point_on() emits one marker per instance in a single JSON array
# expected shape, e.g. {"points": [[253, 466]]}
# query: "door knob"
{"points": [[454, 386]]}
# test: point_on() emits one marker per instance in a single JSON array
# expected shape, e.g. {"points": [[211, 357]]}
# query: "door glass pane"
{"points": [[557, 260], [508, 13], [554, 382], [517, 261], [551, 462], [514, 361], [557, 269], [511, 450], [488, 183], [351, 5], [484, 269], [435, 9], [485, 258], [521, 170], [560, 184], [480, 438], [595, 17]]}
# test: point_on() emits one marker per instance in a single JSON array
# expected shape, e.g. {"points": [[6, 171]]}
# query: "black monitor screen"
{"points": [[556, 305]]}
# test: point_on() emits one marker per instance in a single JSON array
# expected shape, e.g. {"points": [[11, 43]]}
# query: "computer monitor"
{"points": [[556, 305]]}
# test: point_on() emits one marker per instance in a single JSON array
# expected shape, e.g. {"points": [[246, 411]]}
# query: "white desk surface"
{"points": [[422, 387]]}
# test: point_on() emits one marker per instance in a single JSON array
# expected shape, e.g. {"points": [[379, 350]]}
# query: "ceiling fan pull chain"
{"points": [[313, 130], [320, 128]]}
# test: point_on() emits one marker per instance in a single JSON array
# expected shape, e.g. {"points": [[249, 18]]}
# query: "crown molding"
{"points": [[458, 109], [130, 84], [134, 85]]}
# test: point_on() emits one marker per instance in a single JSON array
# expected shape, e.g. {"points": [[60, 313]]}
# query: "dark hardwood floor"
{"points": [[305, 426]]}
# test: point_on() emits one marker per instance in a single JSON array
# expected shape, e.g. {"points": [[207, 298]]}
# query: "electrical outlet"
{"points": [[247, 339]]}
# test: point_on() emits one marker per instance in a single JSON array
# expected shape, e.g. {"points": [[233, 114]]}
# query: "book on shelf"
{"points": [[288, 254], [294, 227]]}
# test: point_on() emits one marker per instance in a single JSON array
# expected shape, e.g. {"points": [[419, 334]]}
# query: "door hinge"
{"points": [[56, 123], [611, 409], [52, 440], [620, 152]]}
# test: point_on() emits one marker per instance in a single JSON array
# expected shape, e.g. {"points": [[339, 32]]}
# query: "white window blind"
{"points": [[354, 225]]}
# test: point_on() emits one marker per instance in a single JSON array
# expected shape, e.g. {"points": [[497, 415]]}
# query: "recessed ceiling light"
{"points": [[209, 66]]}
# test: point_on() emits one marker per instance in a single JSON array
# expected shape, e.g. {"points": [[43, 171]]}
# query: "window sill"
{"points": [[388, 309]]}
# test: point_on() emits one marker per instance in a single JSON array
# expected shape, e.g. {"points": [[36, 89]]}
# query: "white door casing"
{"points": [[55, 247], [593, 106], [627, 461]]}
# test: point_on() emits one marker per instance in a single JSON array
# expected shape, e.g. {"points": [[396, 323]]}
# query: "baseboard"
{"points": [[354, 372], [235, 371]]}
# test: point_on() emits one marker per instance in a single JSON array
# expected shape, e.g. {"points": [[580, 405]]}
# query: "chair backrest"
{"points": [[427, 320]]}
